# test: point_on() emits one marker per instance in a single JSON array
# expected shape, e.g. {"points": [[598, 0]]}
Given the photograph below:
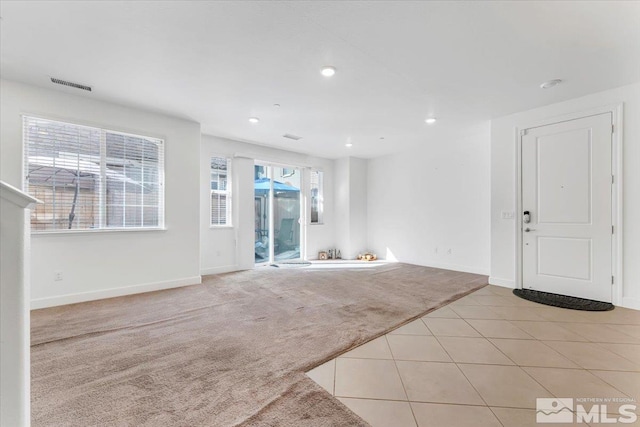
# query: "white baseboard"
{"points": [[218, 270], [113, 292], [631, 302], [506, 283]]}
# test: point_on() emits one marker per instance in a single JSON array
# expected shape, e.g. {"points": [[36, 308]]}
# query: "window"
{"points": [[90, 178], [317, 197], [220, 191]]}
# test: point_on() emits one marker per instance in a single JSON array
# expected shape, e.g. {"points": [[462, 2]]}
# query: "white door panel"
{"points": [[568, 258], [564, 166], [566, 188]]}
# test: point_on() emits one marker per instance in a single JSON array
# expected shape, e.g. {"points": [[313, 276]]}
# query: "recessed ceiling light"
{"points": [[254, 120], [276, 105], [430, 120], [348, 145], [328, 71], [382, 137], [550, 83]]}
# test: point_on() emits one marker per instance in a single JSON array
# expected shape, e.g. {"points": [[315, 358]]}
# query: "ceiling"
{"points": [[219, 63]]}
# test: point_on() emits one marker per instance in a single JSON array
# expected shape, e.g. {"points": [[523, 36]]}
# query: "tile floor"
{"points": [[483, 360]]}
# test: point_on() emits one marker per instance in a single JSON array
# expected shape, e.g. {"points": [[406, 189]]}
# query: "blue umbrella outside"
{"points": [[264, 185]]}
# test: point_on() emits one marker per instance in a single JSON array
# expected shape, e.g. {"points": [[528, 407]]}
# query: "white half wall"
{"points": [[503, 182], [232, 248], [104, 264], [430, 205], [14, 307]]}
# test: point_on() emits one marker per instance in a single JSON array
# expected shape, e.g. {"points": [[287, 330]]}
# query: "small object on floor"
{"points": [[562, 301], [367, 256]]}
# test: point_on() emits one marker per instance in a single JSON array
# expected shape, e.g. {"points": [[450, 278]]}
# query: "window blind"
{"points": [[221, 191], [90, 178], [133, 181]]}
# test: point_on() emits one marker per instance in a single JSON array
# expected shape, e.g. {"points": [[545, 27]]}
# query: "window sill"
{"points": [[97, 230], [316, 223], [220, 227]]}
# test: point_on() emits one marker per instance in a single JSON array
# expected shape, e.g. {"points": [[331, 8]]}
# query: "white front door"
{"points": [[566, 202]]}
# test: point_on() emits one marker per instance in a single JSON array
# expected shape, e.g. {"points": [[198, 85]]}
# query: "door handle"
{"points": [[526, 230]]}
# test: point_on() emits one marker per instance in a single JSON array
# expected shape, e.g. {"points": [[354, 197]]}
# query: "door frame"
{"points": [[616, 111], [303, 205]]}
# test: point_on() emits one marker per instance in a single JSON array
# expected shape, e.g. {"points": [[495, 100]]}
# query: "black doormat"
{"points": [[563, 301]]}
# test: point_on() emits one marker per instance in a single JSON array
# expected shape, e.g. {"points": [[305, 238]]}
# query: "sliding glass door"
{"points": [[277, 201]]}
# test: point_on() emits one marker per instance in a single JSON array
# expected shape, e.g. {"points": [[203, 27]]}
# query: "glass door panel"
{"points": [[286, 213], [262, 191], [277, 203]]}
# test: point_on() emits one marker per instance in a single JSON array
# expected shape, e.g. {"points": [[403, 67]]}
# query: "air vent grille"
{"points": [[290, 136], [70, 84]]}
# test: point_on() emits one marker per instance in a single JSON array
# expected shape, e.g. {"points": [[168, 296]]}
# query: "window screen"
{"points": [[317, 206], [90, 178]]}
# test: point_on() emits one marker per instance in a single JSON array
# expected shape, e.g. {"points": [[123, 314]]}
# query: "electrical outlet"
{"points": [[435, 250], [449, 251], [57, 276], [508, 215]]}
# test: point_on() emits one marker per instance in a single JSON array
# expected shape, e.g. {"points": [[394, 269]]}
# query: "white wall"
{"points": [[244, 216], [433, 197], [219, 251], [104, 264], [343, 207], [503, 175], [358, 211], [351, 206]]}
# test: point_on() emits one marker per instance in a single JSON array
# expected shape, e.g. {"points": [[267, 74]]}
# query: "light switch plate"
{"points": [[508, 215]]}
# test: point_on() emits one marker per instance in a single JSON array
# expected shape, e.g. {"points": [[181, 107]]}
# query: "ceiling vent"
{"points": [[70, 84], [290, 136]]}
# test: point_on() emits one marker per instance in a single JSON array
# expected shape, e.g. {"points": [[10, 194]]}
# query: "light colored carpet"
{"points": [[232, 351]]}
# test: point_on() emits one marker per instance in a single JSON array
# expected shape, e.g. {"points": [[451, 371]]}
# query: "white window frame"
{"points": [[228, 193], [102, 185]]}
